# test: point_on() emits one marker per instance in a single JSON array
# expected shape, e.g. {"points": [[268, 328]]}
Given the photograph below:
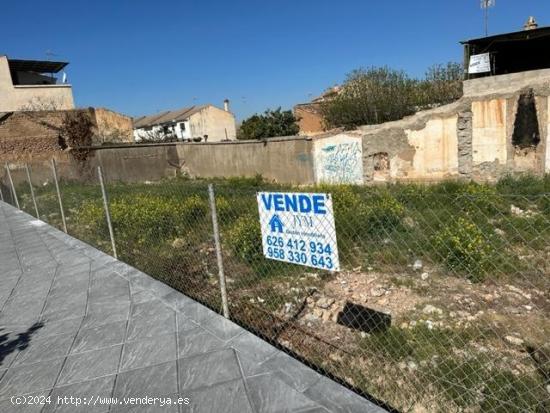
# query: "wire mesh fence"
{"points": [[441, 303]]}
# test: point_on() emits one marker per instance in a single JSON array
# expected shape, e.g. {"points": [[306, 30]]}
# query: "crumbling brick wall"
{"points": [[25, 135], [36, 134]]}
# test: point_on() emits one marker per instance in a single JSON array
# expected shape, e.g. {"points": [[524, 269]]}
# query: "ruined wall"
{"points": [[26, 135], [482, 137], [35, 134], [489, 137], [112, 127], [338, 159], [422, 147], [436, 149], [310, 121]]}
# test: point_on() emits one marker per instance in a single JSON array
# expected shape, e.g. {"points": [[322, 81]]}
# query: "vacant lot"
{"points": [[455, 279]]}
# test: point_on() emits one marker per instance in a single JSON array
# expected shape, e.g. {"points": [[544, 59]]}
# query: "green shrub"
{"points": [[145, 219], [245, 238], [464, 248], [375, 214], [193, 208], [481, 198], [223, 208], [90, 217], [383, 213]]}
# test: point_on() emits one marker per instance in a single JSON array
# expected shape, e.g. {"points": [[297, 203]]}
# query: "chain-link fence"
{"points": [[442, 301]]}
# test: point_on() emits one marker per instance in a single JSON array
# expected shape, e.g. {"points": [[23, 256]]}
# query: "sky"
{"points": [[139, 57]]}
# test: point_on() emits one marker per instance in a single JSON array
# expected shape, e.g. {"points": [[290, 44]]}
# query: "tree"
{"points": [[442, 84], [381, 94], [77, 128], [269, 124]]}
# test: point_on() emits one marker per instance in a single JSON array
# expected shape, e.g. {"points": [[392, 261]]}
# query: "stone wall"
{"points": [[473, 138], [112, 127], [285, 160], [310, 120], [35, 134]]}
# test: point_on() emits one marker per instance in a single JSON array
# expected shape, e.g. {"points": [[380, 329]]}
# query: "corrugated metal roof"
{"points": [[167, 116]]}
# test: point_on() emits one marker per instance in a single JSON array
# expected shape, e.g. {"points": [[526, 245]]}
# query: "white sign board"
{"points": [[299, 228], [480, 63]]}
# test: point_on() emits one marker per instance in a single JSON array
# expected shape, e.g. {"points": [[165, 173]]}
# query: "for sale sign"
{"points": [[299, 228]]}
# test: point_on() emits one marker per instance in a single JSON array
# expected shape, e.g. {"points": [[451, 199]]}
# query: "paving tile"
{"points": [[30, 378], [228, 397], [95, 338], [184, 323], [154, 381], [46, 348], [102, 317], [123, 318], [72, 270], [291, 371], [268, 394], [51, 328], [222, 328], [196, 312], [149, 351], [119, 306], [197, 341], [252, 346], [61, 308], [208, 369], [141, 296], [89, 392], [150, 325], [66, 290], [337, 398], [154, 308], [251, 367], [90, 365], [312, 410]]}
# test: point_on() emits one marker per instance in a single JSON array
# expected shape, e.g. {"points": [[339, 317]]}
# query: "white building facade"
{"points": [[205, 123]]}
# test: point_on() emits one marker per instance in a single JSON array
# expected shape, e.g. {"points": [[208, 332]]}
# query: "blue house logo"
{"points": [[276, 224]]}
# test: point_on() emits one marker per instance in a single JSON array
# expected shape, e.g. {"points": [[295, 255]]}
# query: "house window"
{"points": [[182, 127]]}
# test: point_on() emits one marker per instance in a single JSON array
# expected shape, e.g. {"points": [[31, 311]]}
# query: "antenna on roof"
{"points": [[486, 5], [49, 54]]}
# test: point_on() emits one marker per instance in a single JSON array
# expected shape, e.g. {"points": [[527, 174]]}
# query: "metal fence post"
{"points": [[12, 186], [54, 170], [32, 190], [107, 211], [219, 258]]}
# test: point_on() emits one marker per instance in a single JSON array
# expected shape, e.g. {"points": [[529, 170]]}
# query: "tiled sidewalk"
{"points": [[76, 322]]}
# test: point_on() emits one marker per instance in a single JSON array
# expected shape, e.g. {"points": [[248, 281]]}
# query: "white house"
{"points": [[204, 123]]}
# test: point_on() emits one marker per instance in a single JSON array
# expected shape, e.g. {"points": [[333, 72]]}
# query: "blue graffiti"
{"points": [[342, 163]]}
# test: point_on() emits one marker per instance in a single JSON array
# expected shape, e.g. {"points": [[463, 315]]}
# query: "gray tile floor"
{"points": [[76, 322]]}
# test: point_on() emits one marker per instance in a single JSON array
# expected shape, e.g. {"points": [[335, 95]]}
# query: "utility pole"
{"points": [[485, 5]]}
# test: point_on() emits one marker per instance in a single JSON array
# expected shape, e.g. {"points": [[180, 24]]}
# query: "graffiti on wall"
{"points": [[339, 160]]}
